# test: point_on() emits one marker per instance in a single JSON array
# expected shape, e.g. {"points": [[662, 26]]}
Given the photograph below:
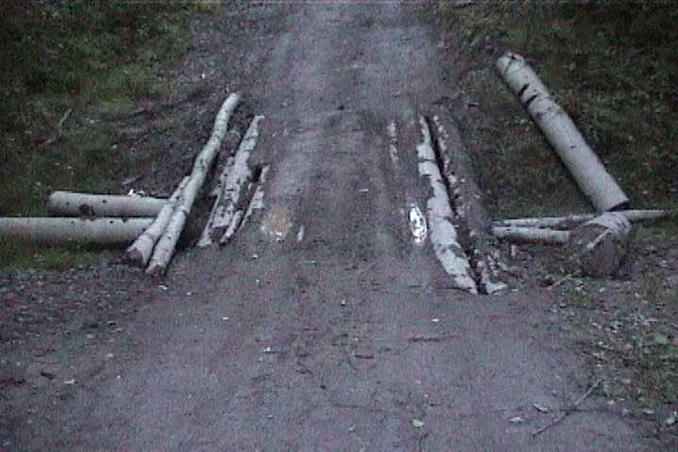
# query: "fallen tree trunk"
{"points": [[54, 230], [571, 221], [84, 204], [531, 235], [235, 178], [443, 234], [140, 251], [599, 246], [563, 135], [472, 220], [166, 245]]}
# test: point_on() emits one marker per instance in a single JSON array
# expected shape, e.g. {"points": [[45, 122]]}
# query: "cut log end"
{"points": [[599, 246]]}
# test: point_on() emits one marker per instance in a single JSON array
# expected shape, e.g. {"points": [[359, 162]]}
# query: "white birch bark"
{"points": [[563, 135], [167, 243], [600, 245], [571, 221], [517, 234], [140, 251], [235, 178], [54, 230], [467, 201], [84, 204], [443, 234]]}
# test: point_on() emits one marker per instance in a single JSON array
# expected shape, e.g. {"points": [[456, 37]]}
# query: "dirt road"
{"points": [[322, 325]]}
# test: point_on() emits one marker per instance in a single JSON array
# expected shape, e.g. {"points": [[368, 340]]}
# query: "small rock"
{"points": [[417, 423], [516, 420], [540, 408], [70, 381], [672, 419], [648, 411]]}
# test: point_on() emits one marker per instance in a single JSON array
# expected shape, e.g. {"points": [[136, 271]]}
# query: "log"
{"points": [[443, 234], [572, 221], [256, 203], [70, 203], [472, 219], [235, 178], [516, 234], [558, 128], [162, 254], [52, 230], [599, 246], [140, 251]]}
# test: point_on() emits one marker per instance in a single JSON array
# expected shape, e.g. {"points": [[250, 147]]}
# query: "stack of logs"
{"points": [[154, 224], [599, 242]]}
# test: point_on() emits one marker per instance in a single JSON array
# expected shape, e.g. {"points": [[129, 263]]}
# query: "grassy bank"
{"points": [[611, 65], [67, 67]]}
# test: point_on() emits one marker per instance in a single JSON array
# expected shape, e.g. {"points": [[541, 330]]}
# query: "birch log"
{"points": [[531, 235], [84, 204], [563, 135], [140, 251], [166, 245], [572, 221], [443, 235], [599, 246], [234, 178], [105, 231], [466, 197]]}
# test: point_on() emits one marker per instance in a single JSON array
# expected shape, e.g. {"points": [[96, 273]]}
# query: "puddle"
{"points": [[418, 225]]}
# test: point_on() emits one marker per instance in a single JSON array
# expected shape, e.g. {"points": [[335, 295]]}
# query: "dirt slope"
{"points": [[346, 336]]}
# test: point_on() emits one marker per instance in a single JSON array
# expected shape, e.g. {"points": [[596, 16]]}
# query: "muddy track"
{"points": [[322, 323]]}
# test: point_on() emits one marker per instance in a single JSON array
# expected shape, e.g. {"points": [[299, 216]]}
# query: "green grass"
{"points": [[81, 57], [611, 65]]}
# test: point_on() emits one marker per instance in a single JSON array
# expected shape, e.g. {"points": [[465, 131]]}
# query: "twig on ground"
{"points": [[561, 280], [569, 410], [58, 128]]}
